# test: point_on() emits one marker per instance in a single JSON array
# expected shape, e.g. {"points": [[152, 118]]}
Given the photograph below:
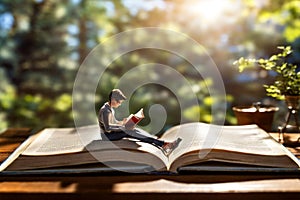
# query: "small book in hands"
{"points": [[134, 119]]}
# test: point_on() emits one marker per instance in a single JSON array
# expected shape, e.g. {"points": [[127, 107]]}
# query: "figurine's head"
{"points": [[116, 97]]}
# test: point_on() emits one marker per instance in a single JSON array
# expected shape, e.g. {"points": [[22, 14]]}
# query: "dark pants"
{"points": [[118, 135]]}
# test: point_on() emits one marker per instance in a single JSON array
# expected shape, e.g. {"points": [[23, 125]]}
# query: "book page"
{"points": [[135, 118], [151, 148], [155, 151], [140, 113], [244, 139], [53, 141]]}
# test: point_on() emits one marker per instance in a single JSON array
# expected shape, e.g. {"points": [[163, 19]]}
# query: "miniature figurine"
{"points": [[111, 129]]}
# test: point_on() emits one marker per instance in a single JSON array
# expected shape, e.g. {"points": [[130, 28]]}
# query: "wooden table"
{"points": [[91, 185]]}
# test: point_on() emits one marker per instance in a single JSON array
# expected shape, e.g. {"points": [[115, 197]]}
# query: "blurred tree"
{"points": [[43, 42], [36, 46], [285, 15], [35, 56]]}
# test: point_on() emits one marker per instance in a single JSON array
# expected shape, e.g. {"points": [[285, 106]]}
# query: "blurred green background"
{"points": [[43, 43]]}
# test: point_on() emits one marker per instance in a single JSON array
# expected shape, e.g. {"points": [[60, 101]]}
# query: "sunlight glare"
{"points": [[210, 10], [213, 9]]}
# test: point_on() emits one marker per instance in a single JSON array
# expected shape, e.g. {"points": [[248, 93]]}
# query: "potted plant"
{"points": [[287, 80], [286, 85]]}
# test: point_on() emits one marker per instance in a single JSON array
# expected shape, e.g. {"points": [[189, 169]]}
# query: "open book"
{"points": [[201, 143], [134, 119]]}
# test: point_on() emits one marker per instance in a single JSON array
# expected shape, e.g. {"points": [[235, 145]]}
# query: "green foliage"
{"points": [[285, 13], [287, 80], [47, 40], [7, 97], [35, 111]]}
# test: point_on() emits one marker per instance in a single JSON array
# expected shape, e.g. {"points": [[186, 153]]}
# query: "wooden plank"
{"points": [[11, 139], [156, 186], [7, 145], [16, 132], [4, 156], [167, 186]]}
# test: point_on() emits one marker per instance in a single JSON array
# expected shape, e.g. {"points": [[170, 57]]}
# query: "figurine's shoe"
{"points": [[168, 147]]}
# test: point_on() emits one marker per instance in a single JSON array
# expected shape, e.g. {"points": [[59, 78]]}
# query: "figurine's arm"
{"points": [[106, 116]]}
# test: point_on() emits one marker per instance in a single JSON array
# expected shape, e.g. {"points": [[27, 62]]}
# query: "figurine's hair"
{"points": [[117, 95]]}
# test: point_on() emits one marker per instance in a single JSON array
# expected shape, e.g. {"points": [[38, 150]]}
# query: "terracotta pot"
{"points": [[260, 115]]}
